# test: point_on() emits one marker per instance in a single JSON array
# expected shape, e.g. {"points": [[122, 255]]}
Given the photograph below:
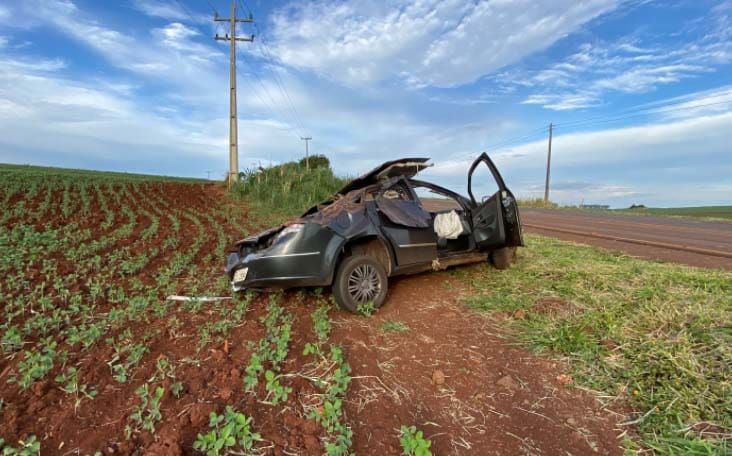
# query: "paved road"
{"points": [[693, 242]]}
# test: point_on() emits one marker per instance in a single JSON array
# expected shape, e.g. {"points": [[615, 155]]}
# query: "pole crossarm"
{"points": [[228, 38], [224, 19]]}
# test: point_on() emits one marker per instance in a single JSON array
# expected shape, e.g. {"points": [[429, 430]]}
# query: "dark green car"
{"points": [[377, 227]]}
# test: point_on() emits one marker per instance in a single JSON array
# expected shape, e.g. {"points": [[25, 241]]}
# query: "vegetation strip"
{"points": [[653, 335]]}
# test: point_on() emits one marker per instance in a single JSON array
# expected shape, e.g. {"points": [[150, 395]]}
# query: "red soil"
{"points": [[455, 374]]}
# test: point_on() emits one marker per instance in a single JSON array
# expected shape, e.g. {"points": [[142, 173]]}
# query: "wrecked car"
{"points": [[377, 227]]}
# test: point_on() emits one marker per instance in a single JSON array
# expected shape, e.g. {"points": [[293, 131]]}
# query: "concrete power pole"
{"points": [[307, 152], [233, 129], [548, 166]]}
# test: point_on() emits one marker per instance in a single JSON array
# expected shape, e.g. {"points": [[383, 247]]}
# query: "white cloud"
{"points": [[648, 163], [697, 104], [163, 9], [628, 66], [59, 120], [563, 101], [643, 79], [435, 43]]}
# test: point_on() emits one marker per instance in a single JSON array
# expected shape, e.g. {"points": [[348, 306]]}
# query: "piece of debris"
{"points": [[565, 379], [438, 377], [198, 298], [519, 314], [508, 382]]}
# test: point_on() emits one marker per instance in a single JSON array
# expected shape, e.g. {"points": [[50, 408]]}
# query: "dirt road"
{"points": [[692, 242]]}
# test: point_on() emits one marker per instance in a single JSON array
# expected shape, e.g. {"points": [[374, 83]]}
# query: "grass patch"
{"points": [[288, 189], [657, 335], [536, 203], [27, 173], [394, 326]]}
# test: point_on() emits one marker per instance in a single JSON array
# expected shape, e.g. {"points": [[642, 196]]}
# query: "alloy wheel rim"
{"points": [[364, 284]]}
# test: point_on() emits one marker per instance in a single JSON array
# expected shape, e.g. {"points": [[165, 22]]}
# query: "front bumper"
{"points": [[306, 259]]}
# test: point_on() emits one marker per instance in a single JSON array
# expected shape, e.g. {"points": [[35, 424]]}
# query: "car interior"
{"points": [[448, 219]]}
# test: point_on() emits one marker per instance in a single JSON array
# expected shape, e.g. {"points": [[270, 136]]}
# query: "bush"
{"points": [[287, 189], [316, 161]]}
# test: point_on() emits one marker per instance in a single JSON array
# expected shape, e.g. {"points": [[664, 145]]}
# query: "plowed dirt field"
{"points": [[96, 359]]}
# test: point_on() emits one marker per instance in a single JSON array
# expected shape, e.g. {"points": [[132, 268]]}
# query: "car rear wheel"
{"points": [[360, 284], [502, 258]]}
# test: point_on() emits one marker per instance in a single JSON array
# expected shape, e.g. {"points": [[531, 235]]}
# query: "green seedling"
{"points": [[275, 389], [366, 309], [413, 442], [29, 447], [148, 413], [394, 326], [176, 388], [229, 432], [35, 365], [252, 372], [70, 382]]}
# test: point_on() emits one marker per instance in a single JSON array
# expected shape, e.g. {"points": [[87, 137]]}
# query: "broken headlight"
{"points": [[288, 232], [240, 275]]}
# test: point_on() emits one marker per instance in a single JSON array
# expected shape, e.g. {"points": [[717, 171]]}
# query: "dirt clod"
{"points": [[438, 377], [508, 382], [565, 379]]}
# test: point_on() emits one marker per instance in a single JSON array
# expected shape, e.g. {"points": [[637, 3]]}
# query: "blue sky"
{"points": [[640, 90]]}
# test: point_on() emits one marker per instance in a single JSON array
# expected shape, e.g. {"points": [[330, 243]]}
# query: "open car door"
{"points": [[495, 217]]}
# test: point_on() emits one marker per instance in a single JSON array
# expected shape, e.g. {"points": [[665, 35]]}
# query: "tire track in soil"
{"points": [[496, 398]]}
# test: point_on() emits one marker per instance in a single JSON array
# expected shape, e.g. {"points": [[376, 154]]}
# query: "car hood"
{"points": [[407, 167]]}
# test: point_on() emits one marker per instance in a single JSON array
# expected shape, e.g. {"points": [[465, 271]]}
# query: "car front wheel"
{"points": [[360, 284]]}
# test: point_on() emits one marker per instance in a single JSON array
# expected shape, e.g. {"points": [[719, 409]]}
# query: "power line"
{"points": [[187, 11], [272, 67], [512, 141], [212, 7], [268, 94]]}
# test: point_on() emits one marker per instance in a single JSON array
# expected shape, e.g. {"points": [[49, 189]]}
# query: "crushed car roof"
{"points": [[407, 167]]}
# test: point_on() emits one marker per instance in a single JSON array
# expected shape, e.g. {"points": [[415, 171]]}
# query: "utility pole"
{"points": [[307, 152], [233, 129], [548, 166]]}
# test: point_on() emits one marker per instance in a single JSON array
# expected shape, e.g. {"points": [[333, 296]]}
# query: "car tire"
{"points": [[360, 280], [502, 258]]}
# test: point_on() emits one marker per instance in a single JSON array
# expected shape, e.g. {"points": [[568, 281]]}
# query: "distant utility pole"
{"points": [[307, 152], [233, 132], [548, 166]]}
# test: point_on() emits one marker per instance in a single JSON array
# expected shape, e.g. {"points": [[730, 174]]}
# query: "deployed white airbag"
{"points": [[448, 225]]}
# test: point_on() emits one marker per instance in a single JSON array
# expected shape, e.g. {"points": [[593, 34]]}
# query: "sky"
{"points": [[639, 91]]}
